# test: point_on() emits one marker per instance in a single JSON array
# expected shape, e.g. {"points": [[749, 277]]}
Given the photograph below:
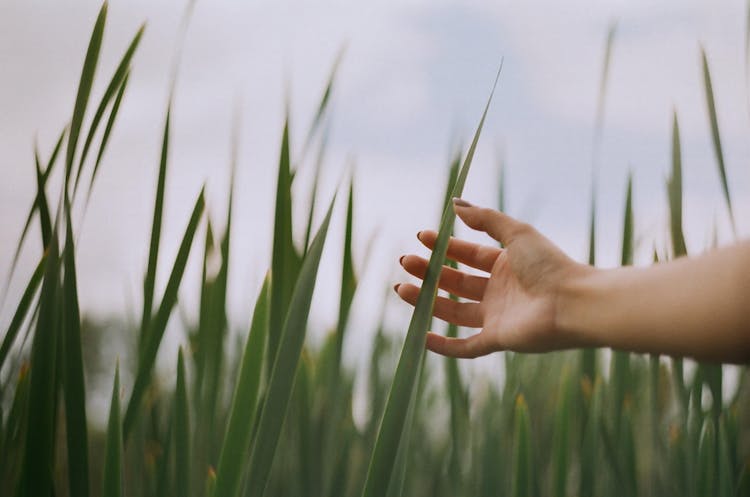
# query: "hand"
{"points": [[516, 306]]}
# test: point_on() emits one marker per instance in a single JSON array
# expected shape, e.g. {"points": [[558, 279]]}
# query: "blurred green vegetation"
{"points": [[266, 413]]}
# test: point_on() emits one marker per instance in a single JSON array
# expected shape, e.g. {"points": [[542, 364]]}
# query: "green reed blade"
{"points": [[42, 176], [159, 324], [38, 455], [674, 189], [319, 161], [394, 419], [112, 475], [244, 401], [348, 280], [153, 251], [182, 430], [706, 482], [561, 437], [281, 381], [284, 261], [73, 377], [324, 102], [22, 310], [116, 84], [523, 479], [716, 137], [84, 90], [107, 131]]}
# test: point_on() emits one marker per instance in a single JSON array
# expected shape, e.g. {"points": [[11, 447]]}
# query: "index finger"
{"points": [[472, 254]]}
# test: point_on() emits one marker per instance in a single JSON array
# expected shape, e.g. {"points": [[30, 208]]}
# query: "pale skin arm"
{"points": [[534, 298]]}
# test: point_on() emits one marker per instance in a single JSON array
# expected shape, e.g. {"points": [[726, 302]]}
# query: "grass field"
{"points": [[276, 416]]}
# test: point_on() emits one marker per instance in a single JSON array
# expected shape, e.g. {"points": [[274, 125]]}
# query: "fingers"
{"points": [[499, 226], [465, 348], [459, 313], [451, 280], [472, 254]]}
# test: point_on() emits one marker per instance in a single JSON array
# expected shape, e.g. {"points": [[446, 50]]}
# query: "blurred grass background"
{"points": [[251, 399]]}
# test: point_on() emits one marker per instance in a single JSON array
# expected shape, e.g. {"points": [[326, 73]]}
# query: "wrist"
{"points": [[574, 302]]}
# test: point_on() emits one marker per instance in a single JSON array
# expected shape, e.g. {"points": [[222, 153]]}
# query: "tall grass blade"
{"points": [[107, 131], [590, 447], [284, 261], [243, 408], [716, 137], [523, 473], [38, 455], [73, 381], [159, 323], [282, 376], [561, 438], [394, 418], [674, 190], [314, 193], [45, 219], [324, 102], [348, 280], [22, 310], [153, 251], [621, 375], [706, 481], [116, 84], [39, 203], [182, 431], [84, 90], [112, 479]]}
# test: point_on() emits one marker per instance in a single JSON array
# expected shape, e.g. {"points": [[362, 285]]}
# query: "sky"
{"points": [[410, 89]]}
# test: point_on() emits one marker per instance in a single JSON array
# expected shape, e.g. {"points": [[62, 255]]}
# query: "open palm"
{"points": [[515, 305]]}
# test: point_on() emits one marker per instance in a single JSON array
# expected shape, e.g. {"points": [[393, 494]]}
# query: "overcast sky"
{"points": [[412, 84]]}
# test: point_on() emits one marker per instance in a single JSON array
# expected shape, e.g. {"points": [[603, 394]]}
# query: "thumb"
{"points": [[499, 226]]}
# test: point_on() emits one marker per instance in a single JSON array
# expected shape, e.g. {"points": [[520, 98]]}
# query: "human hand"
{"points": [[516, 305]]}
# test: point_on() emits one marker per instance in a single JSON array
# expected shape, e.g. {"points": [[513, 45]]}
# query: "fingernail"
{"points": [[419, 236], [459, 202], [401, 260], [395, 287]]}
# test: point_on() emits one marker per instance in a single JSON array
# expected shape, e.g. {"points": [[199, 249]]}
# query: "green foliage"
{"points": [[272, 414]]}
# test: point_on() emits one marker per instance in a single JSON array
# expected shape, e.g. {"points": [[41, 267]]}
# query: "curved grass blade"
{"points": [[394, 419], [182, 431], [523, 480], [36, 473], [561, 437], [153, 251], [116, 84], [348, 280], [112, 480], [284, 262], [706, 481], [107, 131], [41, 183], [590, 447], [159, 323], [716, 137], [45, 220], [324, 101], [22, 310], [84, 90], [281, 382], [314, 193], [244, 401], [73, 380], [621, 375], [674, 190]]}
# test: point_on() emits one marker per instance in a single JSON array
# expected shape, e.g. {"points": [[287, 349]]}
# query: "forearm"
{"points": [[697, 307]]}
